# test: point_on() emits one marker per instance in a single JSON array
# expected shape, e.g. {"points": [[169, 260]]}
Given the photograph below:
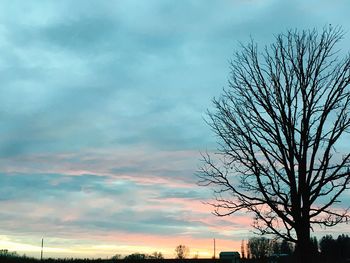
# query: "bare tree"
{"points": [[182, 252], [278, 125], [259, 247], [156, 255], [242, 249]]}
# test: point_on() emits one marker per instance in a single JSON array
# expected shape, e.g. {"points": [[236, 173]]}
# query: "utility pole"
{"points": [[214, 249], [42, 248]]}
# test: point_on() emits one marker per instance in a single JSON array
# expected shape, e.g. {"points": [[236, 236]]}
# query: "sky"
{"points": [[102, 113]]}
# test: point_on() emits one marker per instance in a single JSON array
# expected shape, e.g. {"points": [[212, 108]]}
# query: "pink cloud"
{"points": [[144, 168]]}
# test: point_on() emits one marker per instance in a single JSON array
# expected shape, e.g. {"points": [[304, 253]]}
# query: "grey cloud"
{"points": [[84, 34], [26, 192], [184, 193], [127, 220], [40, 186]]}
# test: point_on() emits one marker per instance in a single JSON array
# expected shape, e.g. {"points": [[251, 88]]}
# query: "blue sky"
{"points": [[102, 106]]}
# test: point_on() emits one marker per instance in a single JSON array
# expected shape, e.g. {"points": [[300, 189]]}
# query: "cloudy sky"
{"points": [[102, 106]]}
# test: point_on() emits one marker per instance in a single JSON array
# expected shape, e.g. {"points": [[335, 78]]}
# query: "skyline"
{"points": [[103, 109]]}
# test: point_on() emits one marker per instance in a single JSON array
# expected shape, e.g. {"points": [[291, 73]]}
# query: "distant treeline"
{"points": [[325, 250], [255, 250], [23, 259]]}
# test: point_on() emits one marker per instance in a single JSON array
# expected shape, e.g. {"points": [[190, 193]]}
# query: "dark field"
{"points": [[70, 260]]}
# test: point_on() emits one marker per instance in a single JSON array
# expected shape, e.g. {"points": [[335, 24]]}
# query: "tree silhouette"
{"points": [[279, 124], [181, 252], [335, 250], [259, 247], [343, 244], [285, 248], [242, 249], [117, 257], [328, 247], [135, 256], [156, 255]]}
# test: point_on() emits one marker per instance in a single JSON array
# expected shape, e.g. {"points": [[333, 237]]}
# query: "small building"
{"points": [[232, 256]]}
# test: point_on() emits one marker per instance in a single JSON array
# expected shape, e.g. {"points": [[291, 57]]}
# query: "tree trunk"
{"points": [[304, 252]]}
